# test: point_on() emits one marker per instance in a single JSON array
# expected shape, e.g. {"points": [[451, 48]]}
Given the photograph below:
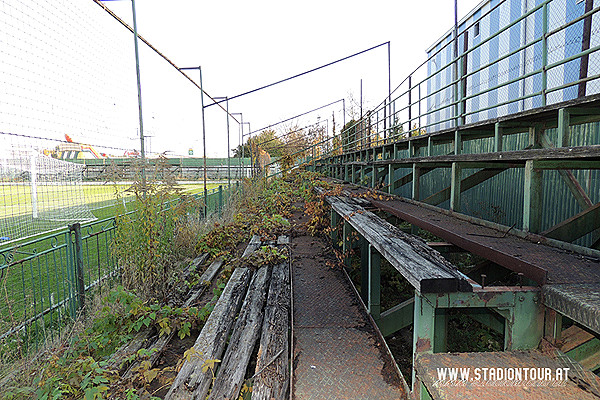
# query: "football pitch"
{"points": [[21, 199]]}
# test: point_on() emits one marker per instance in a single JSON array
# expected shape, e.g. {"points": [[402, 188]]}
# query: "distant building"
{"points": [[491, 64]]}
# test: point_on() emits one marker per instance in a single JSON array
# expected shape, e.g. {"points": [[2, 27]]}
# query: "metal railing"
{"points": [[44, 281], [541, 69]]}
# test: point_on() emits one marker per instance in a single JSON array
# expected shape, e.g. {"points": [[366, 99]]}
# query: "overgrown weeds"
{"points": [[162, 230]]}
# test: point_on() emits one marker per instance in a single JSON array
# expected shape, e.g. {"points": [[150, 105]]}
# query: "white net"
{"points": [[38, 193]]}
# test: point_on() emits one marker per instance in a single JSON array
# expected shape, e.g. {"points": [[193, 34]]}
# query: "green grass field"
{"points": [[41, 277], [16, 198]]}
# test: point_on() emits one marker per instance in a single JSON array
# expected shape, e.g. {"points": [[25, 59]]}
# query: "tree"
{"points": [[267, 140]]}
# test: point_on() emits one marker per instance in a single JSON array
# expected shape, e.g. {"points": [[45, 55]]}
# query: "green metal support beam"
{"points": [[416, 182], [577, 226], [466, 184], [566, 164], [423, 329], [563, 127], [455, 187], [397, 317], [374, 304], [364, 270], [347, 245], [525, 324], [532, 202], [391, 175], [488, 318], [498, 134], [535, 137], [440, 331], [457, 142]]}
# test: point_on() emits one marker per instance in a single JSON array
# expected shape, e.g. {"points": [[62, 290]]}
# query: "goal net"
{"points": [[38, 193]]}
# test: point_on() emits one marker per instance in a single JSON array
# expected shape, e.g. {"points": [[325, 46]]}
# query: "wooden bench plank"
{"points": [[272, 367], [192, 381], [246, 332], [425, 269]]}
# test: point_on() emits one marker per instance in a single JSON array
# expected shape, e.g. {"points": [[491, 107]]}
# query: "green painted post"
{"points": [[391, 179], [221, 199], [416, 184], [374, 176], [525, 327], [71, 273], [411, 148], [347, 245], [374, 305], [457, 142], [364, 270], [535, 137], [429, 146], [334, 220], [424, 395], [79, 280], [532, 202], [455, 187], [564, 121], [497, 137], [423, 329], [440, 330], [395, 151], [362, 175]]}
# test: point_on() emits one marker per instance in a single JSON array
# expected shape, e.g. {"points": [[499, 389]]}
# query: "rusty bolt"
{"points": [[520, 279], [483, 276]]}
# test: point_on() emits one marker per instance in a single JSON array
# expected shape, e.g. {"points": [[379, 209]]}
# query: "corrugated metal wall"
{"points": [[500, 199]]}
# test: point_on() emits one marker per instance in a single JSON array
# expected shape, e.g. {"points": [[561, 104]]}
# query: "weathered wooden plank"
{"points": [[271, 380], [254, 244], [196, 263], [191, 382], [246, 332], [161, 343], [563, 153], [423, 267], [117, 361]]}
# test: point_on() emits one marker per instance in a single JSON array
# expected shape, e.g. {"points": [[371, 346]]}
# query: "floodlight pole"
{"points": [[241, 131], [199, 68], [251, 152], [139, 90], [228, 145]]}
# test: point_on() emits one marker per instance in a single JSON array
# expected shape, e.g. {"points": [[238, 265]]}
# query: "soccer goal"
{"points": [[38, 193]]}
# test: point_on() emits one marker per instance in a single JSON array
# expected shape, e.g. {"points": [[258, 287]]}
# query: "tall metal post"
{"points": [[390, 124], [139, 90], [228, 146], [203, 142], [242, 144], [252, 158], [240, 141]]}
